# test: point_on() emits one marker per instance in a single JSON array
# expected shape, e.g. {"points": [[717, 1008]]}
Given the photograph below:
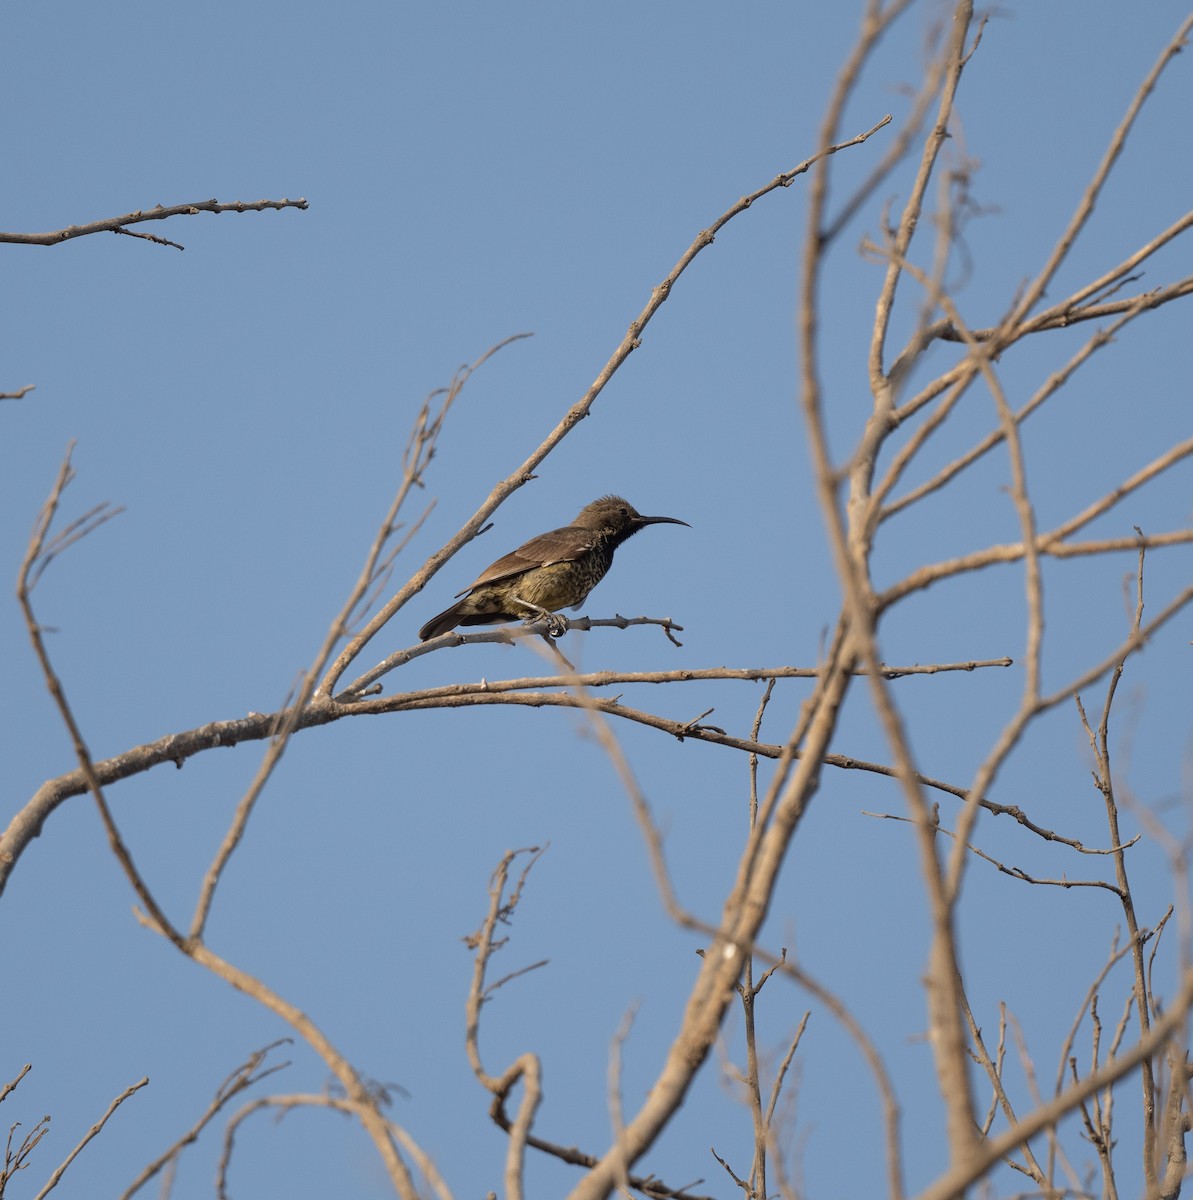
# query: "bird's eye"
{"points": [[625, 512]]}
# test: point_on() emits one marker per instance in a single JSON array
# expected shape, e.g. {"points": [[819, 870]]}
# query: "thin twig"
{"points": [[92, 1132], [11, 1085], [160, 213], [1085, 206], [244, 1077]]}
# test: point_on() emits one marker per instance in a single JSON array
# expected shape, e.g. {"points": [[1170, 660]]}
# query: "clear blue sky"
{"points": [[475, 171]]}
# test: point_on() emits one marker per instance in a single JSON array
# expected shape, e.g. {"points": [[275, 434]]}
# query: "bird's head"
{"points": [[613, 515]]}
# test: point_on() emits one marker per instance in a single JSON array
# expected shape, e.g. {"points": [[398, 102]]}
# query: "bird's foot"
{"points": [[557, 623]]}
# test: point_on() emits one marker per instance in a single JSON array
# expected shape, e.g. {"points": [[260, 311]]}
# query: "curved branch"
{"points": [[176, 748]]}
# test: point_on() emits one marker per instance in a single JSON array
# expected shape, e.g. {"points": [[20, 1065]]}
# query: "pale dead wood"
{"points": [[284, 1103], [525, 472], [853, 509], [93, 1132], [243, 1077]]}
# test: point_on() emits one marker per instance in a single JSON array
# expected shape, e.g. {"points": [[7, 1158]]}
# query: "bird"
{"points": [[552, 571]]}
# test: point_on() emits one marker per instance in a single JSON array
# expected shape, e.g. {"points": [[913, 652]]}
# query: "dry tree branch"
{"points": [[154, 916], [616, 1117], [748, 991], [179, 747], [32, 565], [961, 376], [507, 635], [1089, 302], [14, 1083], [751, 1081], [755, 734], [1031, 703], [652, 835], [40, 553], [1104, 781], [1035, 702], [27, 823], [1085, 207], [420, 449], [999, 1098], [957, 1178], [285, 1102], [949, 472], [92, 1132], [784, 1066], [526, 1069], [1052, 543], [1075, 308], [1058, 318], [1017, 323], [244, 1077], [891, 1111], [279, 739], [159, 213], [1033, 585], [418, 455], [1175, 1124], [850, 549], [1098, 1123], [363, 1103], [19, 394], [722, 962], [1130, 645], [18, 1160], [901, 143], [192, 945], [945, 79], [1028, 1067], [492, 693], [1015, 872], [511, 635], [578, 411], [1071, 311]]}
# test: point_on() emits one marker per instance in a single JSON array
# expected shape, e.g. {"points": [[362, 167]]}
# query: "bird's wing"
{"points": [[560, 545]]}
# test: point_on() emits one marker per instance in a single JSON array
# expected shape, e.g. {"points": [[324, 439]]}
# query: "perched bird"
{"points": [[552, 571]]}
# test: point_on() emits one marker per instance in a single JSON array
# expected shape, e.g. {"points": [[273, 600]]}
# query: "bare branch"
{"points": [[284, 1103], [993, 1070], [1016, 872], [1085, 207], [92, 1132], [954, 1181], [892, 1114], [159, 213], [420, 449], [578, 411], [37, 555], [244, 1077], [12, 1084], [176, 748], [365, 1104]]}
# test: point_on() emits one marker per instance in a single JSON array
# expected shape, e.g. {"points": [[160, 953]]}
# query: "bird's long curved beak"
{"points": [[662, 521]]}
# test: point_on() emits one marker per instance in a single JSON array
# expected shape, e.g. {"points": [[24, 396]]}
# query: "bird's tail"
{"points": [[445, 622]]}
